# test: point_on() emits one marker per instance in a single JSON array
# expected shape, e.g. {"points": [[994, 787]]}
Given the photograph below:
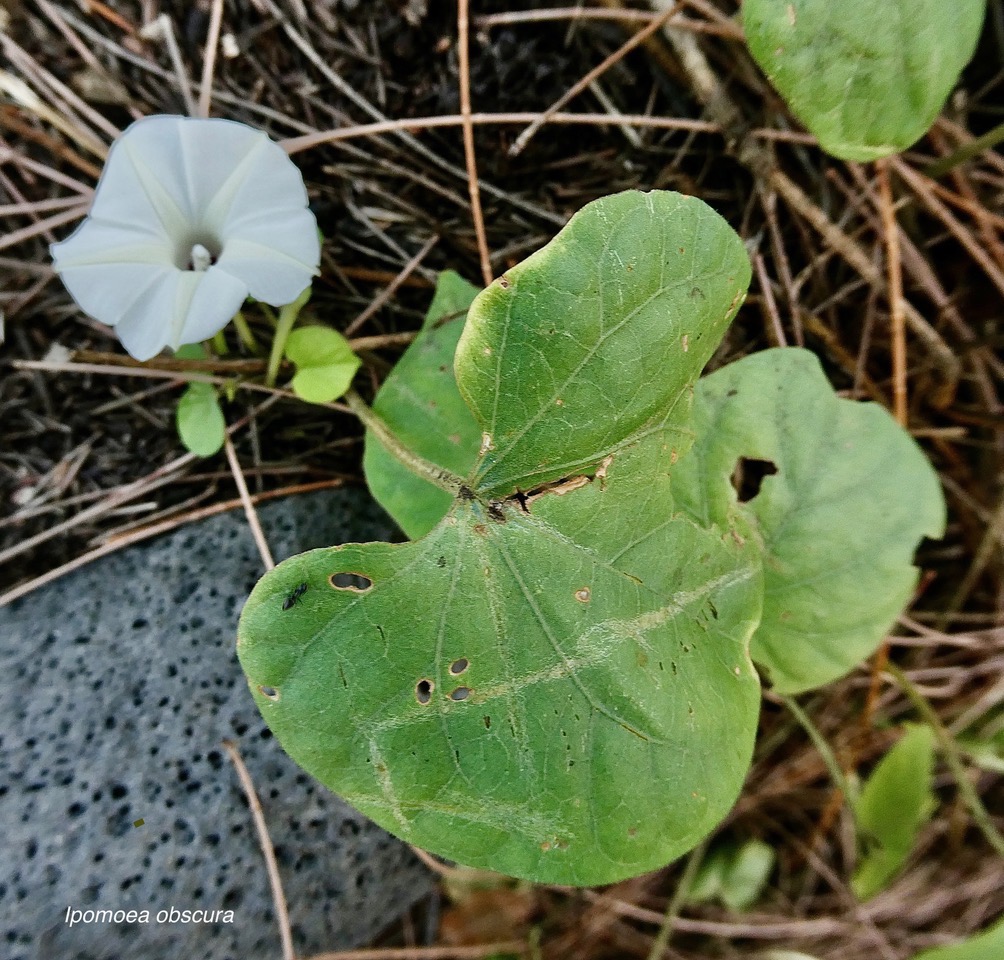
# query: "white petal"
{"points": [[144, 181], [96, 241], [277, 258], [107, 291], [212, 152], [184, 307], [216, 298], [267, 182]]}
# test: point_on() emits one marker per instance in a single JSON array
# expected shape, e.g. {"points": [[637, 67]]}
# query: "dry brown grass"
{"points": [[896, 280]]}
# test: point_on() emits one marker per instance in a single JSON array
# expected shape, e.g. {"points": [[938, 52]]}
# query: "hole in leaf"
{"points": [[270, 692], [423, 691], [582, 595], [748, 476], [461, 693], [459, 666], [488, 722], [356, 582]]}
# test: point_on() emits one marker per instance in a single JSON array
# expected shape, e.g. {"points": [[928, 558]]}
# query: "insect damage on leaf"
{"points": [[560, 581]]}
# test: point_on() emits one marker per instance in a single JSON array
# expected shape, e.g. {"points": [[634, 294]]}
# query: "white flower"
{"points": [[189, 217]]}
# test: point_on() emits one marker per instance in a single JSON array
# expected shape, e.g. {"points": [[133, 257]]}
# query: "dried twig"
{"points": [[463, 53], [275, 881]]}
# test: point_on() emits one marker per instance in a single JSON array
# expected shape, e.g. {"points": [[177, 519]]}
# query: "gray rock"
{"points": [[120, 682]]}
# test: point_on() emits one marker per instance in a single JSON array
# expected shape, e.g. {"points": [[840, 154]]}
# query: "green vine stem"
{"points": [[829, 757], [286, 320], [967, 151], [436, 475], [287, 317], [244, 332], [679, 897], [952, 757]]}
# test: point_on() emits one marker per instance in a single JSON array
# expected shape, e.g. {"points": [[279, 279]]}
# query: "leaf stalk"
{"points": [[426, 469]]}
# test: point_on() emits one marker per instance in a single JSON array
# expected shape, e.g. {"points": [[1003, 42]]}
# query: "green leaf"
{"points": [[985, 748], [190, 351], [839, 522], [868, 79], [199, 419], [986, 945], [747, 874], [554, 686], [325, 363], [420, 403], [896, 801], [585, 347], [734, 874], [783, 955]]}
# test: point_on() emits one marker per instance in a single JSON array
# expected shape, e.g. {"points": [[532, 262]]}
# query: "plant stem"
{"points": [[285, 323], [244, 332], [661, 940], [829, 757], [953, 758], [219, 344], [966, 152], [436, 475]]}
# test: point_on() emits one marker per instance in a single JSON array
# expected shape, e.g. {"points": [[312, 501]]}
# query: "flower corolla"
{"points": [[190, 217]]}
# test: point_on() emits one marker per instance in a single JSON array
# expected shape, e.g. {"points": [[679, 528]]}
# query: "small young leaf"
{"points": [[747, 874], [840, 520], [420, 403], [782, 955], [494, 691], [325, 363], [986, 945], [735, 875], [200, 420], [190, 351], [986, 749], [867, 78], [894, 804]]}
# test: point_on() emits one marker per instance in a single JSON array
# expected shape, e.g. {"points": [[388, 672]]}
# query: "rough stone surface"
{"points": [[120, 682]]}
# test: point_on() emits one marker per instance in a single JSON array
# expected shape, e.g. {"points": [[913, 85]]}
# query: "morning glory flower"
{"points": [[190, 217]]}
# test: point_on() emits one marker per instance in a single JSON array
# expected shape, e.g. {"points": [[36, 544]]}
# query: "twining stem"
{"points": [[953, 758], [287, 317], [967, 151], [244, 332], [829, 757], [436, 475], [661, 940]]}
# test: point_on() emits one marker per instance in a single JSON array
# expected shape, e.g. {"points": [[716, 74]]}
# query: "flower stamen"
{"points": [[200, 259]]}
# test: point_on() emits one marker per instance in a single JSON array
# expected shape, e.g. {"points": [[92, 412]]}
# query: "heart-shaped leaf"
{"points": [[421, 405], [554, 681], [867, 78], [325, 363], [852, 497]]}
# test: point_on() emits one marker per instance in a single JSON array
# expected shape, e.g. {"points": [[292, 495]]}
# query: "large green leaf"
{"points": [[896, 801], [852, 497], [584, 348], [420, 403], [554, 685], [866, 78]]}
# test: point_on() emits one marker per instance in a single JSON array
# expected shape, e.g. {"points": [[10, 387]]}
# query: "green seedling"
{"points": [[555, 678]]}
